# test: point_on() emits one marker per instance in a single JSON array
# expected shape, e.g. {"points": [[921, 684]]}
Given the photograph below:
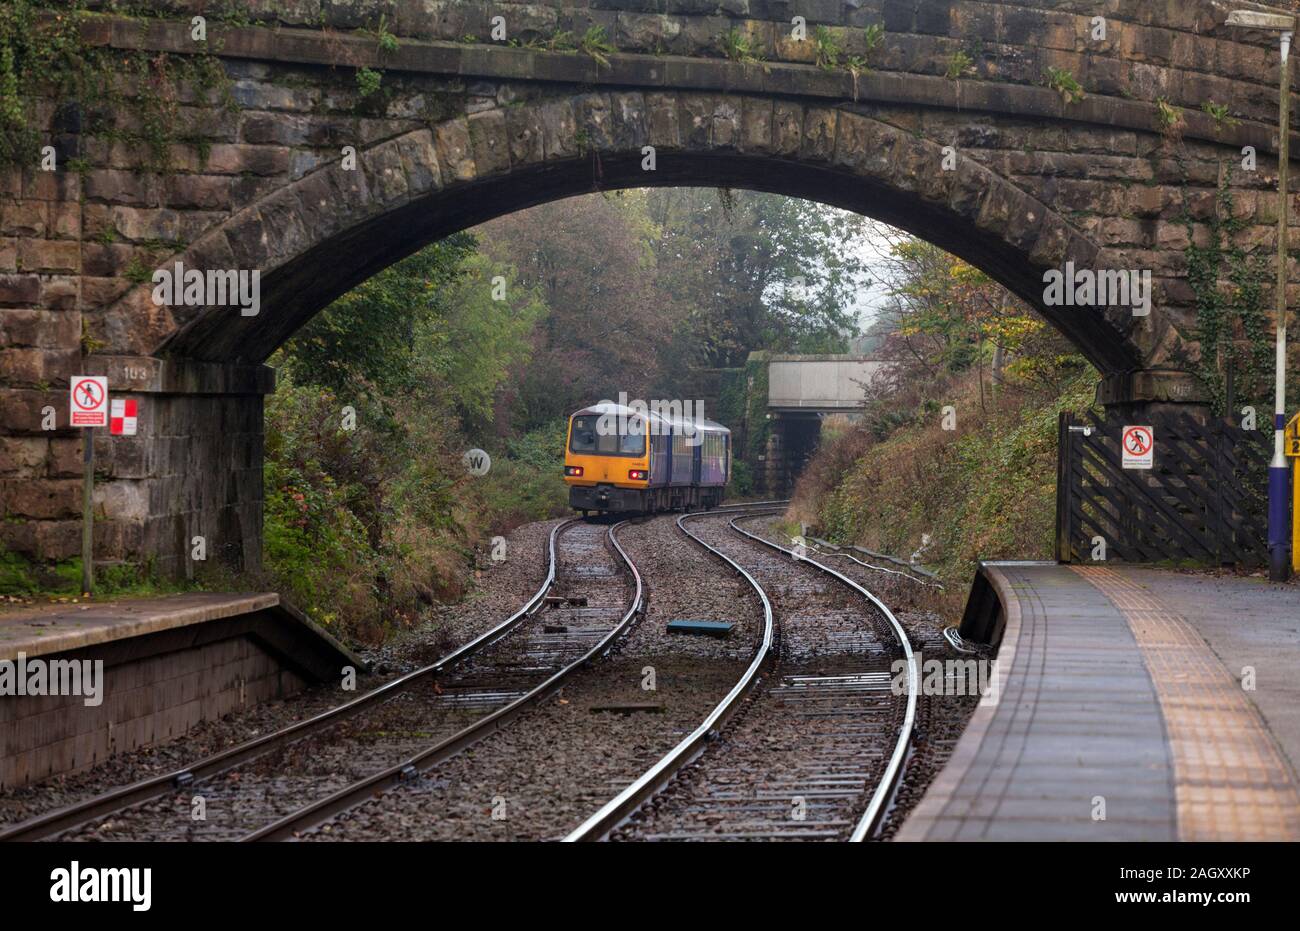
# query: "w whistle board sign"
{"points": [[89, 401]]}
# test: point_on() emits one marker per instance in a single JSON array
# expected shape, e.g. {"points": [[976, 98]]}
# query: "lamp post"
{"points": [[1279, 473]]}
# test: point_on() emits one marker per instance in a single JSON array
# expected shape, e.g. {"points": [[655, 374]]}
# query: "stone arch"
{"points": [[479, 128], [318, 236]]}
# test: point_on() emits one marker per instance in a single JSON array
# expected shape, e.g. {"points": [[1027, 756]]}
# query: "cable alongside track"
{"points": [[828, 739], [206, 770]]}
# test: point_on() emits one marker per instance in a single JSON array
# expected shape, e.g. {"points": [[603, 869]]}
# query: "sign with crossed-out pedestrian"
{"points": [[89, 401], [1139, 447]]}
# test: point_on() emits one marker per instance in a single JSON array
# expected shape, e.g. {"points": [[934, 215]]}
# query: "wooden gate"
{"points": [[1205, 501]]}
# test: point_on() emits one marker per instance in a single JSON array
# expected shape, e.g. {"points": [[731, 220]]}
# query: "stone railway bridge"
{"points": [[467, 128]]}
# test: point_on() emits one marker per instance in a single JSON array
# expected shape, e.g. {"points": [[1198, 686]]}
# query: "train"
{"points": [[628, 460]]}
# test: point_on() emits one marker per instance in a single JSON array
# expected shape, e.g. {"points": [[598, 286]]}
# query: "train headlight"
{"points": [[573, 470], [637, 475]]}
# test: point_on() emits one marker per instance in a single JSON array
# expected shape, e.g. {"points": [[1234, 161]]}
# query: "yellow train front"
{"points": [[622, 459]]}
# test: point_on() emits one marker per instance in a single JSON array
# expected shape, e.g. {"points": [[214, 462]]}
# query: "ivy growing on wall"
{"points": [[34, 54], [1231, 325], [129, 96]]}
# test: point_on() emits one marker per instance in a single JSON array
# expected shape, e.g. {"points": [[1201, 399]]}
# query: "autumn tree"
{"points": [[759, 271], [610, 327]]}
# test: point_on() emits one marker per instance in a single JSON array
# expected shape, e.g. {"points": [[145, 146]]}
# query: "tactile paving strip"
{"points": [[1230, 778]]}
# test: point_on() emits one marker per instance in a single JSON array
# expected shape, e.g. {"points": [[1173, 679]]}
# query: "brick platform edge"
{"points": [[169, 665]]}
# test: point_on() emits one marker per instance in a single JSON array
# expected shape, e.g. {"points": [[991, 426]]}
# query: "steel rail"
{"points": [[349, 797], [616, 810], [127, 796], [869, 823]]}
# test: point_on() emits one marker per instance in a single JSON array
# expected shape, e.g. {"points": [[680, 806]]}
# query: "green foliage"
{"points": [[959, 65], [126, 96], [595, 44], [766, 272], [562, 41], [1231, 326], [365, 339], [387, 41], [34, 579], [368, 81], [1169, 118], [828, 49], [1063, 82], [758, 427], [481, 336], [613, 324], [987, 491], [742, 479], [136, 271], [1221, 114], [873, 36], [315, 542], [944, 311], [33, 54], [368, 507], [528, 482], [738, 45]]}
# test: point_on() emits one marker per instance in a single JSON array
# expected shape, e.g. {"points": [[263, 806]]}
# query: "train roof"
{"points": [[614, 410]]}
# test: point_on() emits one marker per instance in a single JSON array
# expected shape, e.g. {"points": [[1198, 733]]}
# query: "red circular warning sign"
{"points": [[89, 401], [1138, 445], [88, 394], [1137, 441]]}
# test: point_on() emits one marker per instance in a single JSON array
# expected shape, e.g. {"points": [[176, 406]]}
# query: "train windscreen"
{"points": [[590, 437]]}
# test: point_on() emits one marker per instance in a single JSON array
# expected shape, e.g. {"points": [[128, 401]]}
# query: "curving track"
{"points": [[534, 667], [265, 781], [809, 742], [817, 751]]}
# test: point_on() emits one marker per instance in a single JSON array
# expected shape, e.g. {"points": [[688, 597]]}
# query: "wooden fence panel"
{"points": [[1203, 501]]}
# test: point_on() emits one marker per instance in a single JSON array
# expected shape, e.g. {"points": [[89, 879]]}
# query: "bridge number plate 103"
{"points": [[1139, 447]]}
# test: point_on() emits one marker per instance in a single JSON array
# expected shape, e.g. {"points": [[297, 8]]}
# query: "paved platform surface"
{"points": [[47, 629], [1134, 704]]}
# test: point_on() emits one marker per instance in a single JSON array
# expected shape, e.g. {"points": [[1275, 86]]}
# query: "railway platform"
{"points": [[82, 682], [1133, 704]]}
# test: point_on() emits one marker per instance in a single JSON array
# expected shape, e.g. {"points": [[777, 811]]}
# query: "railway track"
{"points": [[574, 636], [808, 754], [256, 789], [820, 744]]}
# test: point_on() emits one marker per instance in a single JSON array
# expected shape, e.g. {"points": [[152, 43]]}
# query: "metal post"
{"points": [[1278, 470], [87, 511]]}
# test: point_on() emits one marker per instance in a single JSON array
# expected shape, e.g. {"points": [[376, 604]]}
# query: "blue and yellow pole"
{"points": [[1279, 564], [1293, 453]]}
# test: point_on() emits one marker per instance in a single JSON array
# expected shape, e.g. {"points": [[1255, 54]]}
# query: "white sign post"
{"points": [[1139, 447], [88, 399]]}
